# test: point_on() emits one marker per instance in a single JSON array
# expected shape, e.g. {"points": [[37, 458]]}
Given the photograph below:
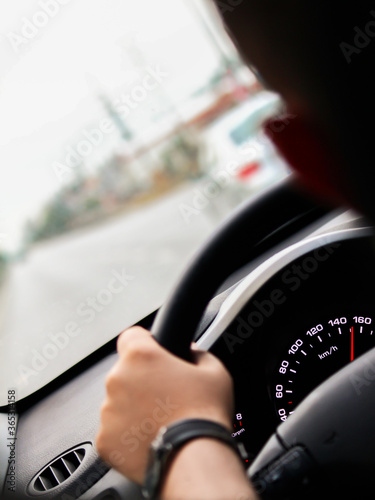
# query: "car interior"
{"points": [[282, 324], [281, 292]]}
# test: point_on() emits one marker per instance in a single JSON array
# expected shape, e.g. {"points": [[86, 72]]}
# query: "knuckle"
{"points": [[221, 378], [113, 381], [217, 369], [225, 379], [104, 410], [127, 337], [100, 443], [140, 351]]}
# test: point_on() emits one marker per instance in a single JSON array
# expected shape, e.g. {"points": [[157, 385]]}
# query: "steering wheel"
{"points": [[331, 431]]}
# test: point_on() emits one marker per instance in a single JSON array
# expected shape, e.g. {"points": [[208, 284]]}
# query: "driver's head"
{"points": [[320, 57]]}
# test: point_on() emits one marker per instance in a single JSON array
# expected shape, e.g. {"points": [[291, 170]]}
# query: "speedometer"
{"points": [[317, 352]]}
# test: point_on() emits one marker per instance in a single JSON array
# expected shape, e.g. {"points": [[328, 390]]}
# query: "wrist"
{"points": [[172, 438], [207, 469]]}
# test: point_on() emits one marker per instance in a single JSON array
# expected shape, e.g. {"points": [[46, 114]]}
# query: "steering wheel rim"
{"points": [[286, 206], [254, 228]]}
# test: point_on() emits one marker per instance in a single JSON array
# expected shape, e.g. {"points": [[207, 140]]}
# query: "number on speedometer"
{"points": [[317, 353]]}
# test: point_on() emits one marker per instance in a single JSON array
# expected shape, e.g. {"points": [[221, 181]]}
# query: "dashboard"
{"points": [[281, 329], [314, 315]]}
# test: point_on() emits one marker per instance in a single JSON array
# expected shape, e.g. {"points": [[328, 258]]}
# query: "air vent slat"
{"points": [[48, 478], [69, 465], [39, 485], [79, 454], [56, 475], [58, 471]]}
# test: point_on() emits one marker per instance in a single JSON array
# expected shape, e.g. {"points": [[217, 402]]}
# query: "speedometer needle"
{"points": [[352, 345]]}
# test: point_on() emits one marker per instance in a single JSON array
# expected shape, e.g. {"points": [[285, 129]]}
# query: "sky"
{"points": [[56, 56]]}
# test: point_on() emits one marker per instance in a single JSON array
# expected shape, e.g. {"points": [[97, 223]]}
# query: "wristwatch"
{"points": [[171, 438]]}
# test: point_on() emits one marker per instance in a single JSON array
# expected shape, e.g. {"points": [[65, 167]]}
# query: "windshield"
{"points": [[104, 196]]}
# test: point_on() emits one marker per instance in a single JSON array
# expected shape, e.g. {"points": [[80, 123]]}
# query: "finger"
{"points": [[135, 333], [205, 359]]}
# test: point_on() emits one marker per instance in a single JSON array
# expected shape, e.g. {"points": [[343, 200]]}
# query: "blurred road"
{"points": [[72, 294]]}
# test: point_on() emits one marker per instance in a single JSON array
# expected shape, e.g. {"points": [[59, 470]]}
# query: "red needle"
{"points": [[352, 346]]}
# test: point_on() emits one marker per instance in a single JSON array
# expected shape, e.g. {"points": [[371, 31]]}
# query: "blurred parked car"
{"points": [[236, 145]]}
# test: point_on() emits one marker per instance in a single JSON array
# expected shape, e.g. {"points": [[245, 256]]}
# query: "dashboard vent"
{"points": [[58, 471]]}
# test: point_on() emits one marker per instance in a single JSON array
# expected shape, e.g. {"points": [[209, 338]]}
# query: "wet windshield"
{"points": [[105, 109]]}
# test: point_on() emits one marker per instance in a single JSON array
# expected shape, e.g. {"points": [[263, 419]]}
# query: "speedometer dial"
{"points": [[315, 354]]}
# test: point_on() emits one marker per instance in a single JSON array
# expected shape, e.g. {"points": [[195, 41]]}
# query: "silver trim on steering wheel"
{"points": [[257, 278]]}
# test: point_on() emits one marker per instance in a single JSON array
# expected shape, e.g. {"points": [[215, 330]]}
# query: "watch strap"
{"points": [[170, 439]]}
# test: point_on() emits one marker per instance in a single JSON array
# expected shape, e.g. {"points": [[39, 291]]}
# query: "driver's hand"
{"points": [[149, 388]]}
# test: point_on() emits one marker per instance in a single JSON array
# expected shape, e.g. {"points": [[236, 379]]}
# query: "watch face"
{"points": [[159, 452], [152, 479], [158, 441]]}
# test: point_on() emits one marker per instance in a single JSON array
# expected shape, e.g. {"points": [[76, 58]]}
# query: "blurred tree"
{"points": [[55, 220], [180, 157], [92, 203]]}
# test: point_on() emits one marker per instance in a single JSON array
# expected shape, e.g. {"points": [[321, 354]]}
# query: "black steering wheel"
{"points": [[331, 432]]}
